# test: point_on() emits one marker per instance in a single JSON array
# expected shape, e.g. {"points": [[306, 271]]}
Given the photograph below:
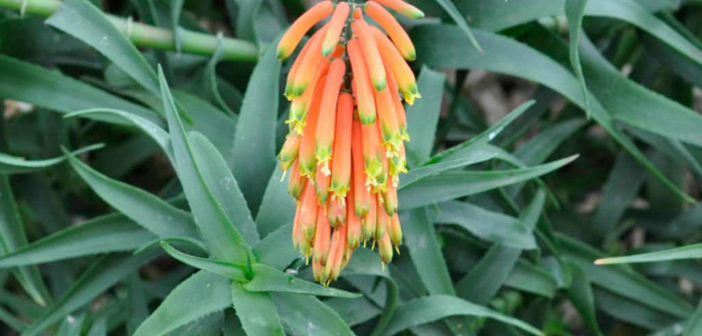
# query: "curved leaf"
{"points": [[453, 185], [497, 57], [84, 21], [693, 251], [220, 235], [100, 235], [147, 210], [435, 307], [269, 279], [254, 142], [228, 270], [16, 165], [179, 308]]}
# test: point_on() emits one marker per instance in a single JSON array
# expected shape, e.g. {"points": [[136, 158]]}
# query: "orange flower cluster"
{"points": [[344, 165]]}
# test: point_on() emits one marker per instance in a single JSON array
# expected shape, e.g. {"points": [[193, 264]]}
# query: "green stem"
{"points": [[143, 35]]}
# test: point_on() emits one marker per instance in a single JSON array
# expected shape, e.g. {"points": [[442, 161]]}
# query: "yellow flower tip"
{"points": [[339, 192], [410, 55], [410, 96], [397, 249], [324, 155], [284, 166], [283, 52], [404, 135]]}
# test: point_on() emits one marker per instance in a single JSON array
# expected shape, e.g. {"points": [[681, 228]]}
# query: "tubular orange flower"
{"points": [[387, 116], [371, 53], [308, 211], [337, 212], [341, 164], [309, 66], [336, 24], [289, 91], [296, 227], [362, 89], [371, 154], [390, 199], [402, 8], [300, 106], [296, 182], [328, 111], [336, 254], [321, 183], [318, 271], [392, 27], [354, 233], [308, 162], [385, 249], [299, 28], [382, 222], [400, 70], [399, 108], [322, 236], [361, 193], [382, 179], [370, 220], [395, 230], [288, 153]]}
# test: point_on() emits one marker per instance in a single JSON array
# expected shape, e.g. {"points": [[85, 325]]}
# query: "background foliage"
{"points": [[134, 182]]}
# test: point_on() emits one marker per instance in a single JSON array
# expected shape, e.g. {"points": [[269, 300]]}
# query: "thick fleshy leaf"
{"points": [[575, 10], [307, 315], [52, 90], [219, 234], [179, 308], [693, 251], [13, 237], [110, 233], [623, 281], [256, 311], [228, 270], [147, 210], [447, 186], [367, 263], [269, 279], [472, 154], [277, 207], [84, 21], [424, 249], [496, 57], [276, 248], [100, 276], [485, 224], [16, 165], [435, 307], [460, 20], [254, 142], [488, 275], [423, 116], [224, 188], [149, 128]]}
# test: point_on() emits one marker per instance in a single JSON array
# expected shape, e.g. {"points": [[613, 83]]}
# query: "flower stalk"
{"points": [[143, 35]]}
